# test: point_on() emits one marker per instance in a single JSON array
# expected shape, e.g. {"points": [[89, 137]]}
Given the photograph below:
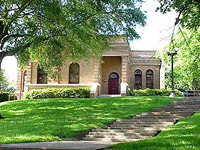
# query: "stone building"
{"points": [[116, 72]]}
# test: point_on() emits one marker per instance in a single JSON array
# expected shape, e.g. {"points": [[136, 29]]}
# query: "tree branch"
{"points": [[198, 1], [6, 38], [16, 50]]}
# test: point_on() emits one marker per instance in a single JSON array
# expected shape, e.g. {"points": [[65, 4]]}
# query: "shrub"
{"points": [[4, 96], [152, 92], [12, 96], [59, 93]]}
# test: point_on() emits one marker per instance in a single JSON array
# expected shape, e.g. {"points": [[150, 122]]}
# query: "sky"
{"points": [[154, 36]]}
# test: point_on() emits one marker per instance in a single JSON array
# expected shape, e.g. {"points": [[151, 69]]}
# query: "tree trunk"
{"points": [[1, 73]]}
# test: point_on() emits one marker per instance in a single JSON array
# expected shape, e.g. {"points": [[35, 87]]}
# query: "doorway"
{"points": [[113, 83]]}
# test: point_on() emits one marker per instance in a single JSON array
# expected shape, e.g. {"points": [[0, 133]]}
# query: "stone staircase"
{"points": [[146, 125]]}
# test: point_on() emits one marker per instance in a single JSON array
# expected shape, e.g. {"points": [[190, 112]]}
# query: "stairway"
{"points": [[146, 125]]}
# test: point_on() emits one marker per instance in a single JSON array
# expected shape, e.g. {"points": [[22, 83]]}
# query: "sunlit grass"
{"points": [[185, 135], [65, 119]]}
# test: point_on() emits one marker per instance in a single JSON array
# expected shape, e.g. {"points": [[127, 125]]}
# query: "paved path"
{"points": [[63, 145], [139, 127]]}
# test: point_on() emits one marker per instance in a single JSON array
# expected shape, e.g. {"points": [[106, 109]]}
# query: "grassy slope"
{"points": [[62, 119], [185, 135]]}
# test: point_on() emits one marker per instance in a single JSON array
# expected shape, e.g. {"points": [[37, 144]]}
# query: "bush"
{"points": [[153, 92], [59, 93], [4, 96]]}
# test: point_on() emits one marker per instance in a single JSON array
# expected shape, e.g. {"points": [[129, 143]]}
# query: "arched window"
{"points": [[24, 80], [74, 73], [41, 76], [149, 79], [138, 79]]}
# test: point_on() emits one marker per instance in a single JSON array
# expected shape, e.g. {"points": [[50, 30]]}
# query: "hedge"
{"points": [[4, 96], [153, 92], [59, 93]]}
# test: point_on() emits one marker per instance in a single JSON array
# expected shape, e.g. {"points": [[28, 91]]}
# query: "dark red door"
{"points": [[113, 84]]}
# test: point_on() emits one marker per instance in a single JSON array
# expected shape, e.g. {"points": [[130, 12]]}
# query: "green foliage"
{"points": [[186, 62], [59, 93], [4, 96], [51, 31], [5, 84], [185, 135], [189, 10], [153, 92], [65, 119]]}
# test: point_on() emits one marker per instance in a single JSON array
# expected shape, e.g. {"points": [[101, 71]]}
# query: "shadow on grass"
{"points": [[58, 119], [185, 135]]}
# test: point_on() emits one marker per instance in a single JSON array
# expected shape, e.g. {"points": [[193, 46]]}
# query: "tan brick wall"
{"points": [[86, 72], [110, 64], [118, 59], [156, 75], [34, 66]]}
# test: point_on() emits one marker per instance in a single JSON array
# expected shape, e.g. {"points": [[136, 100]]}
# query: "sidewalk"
{"points": [[62, 145]]}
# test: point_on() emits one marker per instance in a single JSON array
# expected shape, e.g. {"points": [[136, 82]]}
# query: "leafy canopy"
{"points": [[189, 11], [49, 31], [187, 61]]}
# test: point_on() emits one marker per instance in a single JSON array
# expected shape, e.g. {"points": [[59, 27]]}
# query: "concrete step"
{"points": [[109, 95], [172, 111], [177, 109], [118, 136], [136, 130], [155, 114], [152, 120], [109, 139], [186, 102], [154, 117], [144, 133], [142, 124], [189, 104], [139, 128], [148, 121]]}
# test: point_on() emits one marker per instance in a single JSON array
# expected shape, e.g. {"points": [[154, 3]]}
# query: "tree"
{"points": [[188, 10], [49, 31], [5, 84], [187, 61]]}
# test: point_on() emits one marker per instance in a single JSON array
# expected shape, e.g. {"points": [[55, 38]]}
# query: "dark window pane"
{"points": [[149, 79], [138, 79], [42, 76], [74, 71]]}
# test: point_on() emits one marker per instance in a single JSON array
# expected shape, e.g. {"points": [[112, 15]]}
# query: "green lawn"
{"points": [[185, 135], [65, 119]]}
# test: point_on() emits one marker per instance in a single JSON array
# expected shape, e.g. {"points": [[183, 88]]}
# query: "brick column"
{"points": [[125, 69], [28, 80], [18, 80], [96, 71]]}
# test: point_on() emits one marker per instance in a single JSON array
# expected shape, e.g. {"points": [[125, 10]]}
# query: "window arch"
{"points": [[138, 79], [74, 73], [113, 75], [41, 76], [149, 79]]}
